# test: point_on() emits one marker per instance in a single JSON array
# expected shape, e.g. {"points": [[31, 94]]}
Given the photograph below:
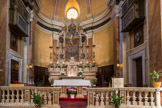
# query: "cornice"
{"points": [[95, 23]]}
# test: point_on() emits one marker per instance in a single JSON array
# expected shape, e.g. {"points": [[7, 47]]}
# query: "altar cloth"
{"points": [[84, 83]]}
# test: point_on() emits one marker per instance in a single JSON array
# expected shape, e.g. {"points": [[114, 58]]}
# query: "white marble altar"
{"points": [[84, 83]]}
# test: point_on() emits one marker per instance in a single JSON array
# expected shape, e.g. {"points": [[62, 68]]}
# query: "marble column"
{"points": [[90, 49], [116, 39], [155, 34], [31, 48], [3, 38], [54, 51]]}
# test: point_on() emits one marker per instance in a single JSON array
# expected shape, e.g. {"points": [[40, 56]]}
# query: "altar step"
{"points": [[73, 99]]}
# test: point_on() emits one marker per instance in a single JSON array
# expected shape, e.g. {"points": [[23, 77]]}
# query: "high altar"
{"points": [[75, 55], [75, 65]]}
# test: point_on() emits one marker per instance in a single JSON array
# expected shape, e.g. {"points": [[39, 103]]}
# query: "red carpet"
{"points": [[73, 103]]}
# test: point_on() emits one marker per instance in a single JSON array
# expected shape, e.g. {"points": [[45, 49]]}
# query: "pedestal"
{"points": [[79, 92], [64, 92]]}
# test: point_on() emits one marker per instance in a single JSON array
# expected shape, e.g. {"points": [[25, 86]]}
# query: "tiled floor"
{"points": [[73, 104]]}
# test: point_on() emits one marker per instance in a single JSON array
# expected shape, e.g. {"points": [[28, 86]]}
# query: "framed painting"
{"points": [[72, 49]]}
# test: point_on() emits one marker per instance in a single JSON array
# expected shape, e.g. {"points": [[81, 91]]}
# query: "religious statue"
{"points": [[72, 67]]}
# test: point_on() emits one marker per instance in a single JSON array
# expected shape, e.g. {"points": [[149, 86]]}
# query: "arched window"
{"points": [[72, 13]]}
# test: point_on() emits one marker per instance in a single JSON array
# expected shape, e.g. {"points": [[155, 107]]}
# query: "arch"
{"points": [[72, 4]]}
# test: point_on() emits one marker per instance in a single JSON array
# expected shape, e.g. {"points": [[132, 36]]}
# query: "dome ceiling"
{"points": [[58, 8]]}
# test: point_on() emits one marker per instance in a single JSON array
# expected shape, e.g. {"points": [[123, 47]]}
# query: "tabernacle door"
{"points": [[72, 70]]}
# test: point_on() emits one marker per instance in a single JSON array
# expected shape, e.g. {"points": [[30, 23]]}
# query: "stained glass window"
{"points": [[72, 13]]}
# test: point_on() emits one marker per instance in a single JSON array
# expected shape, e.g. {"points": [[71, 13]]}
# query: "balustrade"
{"points": [[97, 97], [18, 96], [131, 97]]}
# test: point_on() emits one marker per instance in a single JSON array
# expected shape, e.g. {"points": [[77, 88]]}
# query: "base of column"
{"points": [[79, 96], [63, 96]]}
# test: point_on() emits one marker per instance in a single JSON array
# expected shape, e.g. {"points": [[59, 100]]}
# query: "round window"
{"points": [[72, 13]]}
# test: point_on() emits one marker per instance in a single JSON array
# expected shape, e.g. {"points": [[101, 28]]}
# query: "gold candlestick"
{"points": [[93, 55], [87, 55]]}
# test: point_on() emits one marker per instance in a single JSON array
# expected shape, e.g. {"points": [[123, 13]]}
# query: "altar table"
{"points": [[72, 83]]}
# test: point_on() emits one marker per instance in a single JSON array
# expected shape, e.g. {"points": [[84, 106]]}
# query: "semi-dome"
{"points": [[58, 8]]}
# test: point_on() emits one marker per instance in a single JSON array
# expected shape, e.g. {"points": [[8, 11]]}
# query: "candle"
{"points": [[80, 39], [93, 38], [57, 42], [51, 39], [64, 39]]}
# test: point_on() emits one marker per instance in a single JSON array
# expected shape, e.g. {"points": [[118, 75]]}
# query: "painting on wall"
{"points": [[72, 49]]}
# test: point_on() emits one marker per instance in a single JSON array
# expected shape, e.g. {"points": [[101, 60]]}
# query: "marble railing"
{"points": [[132, 97], [23, 96]]}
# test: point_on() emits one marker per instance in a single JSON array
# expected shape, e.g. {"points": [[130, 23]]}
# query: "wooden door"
{"points": [[139, 79], [14, 71]]}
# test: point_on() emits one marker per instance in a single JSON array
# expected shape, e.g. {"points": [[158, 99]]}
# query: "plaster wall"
{"points": [[104, 46], [42, 51]]}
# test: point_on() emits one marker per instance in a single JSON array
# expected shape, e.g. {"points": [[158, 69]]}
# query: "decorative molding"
{"points": [[31, 15], [98, 21], [115, 12], [18, 59], [132, 67]]}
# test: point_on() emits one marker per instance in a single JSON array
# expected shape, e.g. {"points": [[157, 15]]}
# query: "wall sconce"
{"points": [[119, 66], [29, 66]]}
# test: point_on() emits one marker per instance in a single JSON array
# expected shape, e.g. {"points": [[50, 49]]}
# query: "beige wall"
{"points": [[42, 51], [103, 40], [104, 46], [98, 6], [47, 7]]}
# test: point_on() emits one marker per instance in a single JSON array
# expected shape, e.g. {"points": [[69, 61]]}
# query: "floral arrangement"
{"points": [[155, 75], [72, 91], [94, 81], [115, 99], [51, 81], [80, 73], [37, 99], [62, 73]]}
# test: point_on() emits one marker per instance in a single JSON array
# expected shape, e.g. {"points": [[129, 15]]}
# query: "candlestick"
{"points": [[92, 38], [87, 39], [57, 43], [64, 39], [80, 39], [51, 39]]}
